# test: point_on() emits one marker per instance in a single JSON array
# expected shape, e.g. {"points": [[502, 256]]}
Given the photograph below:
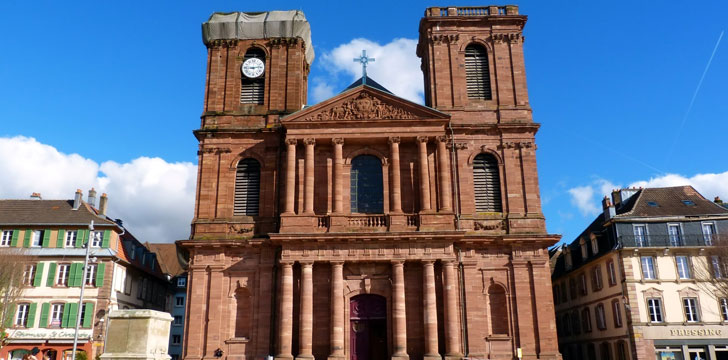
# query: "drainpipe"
{"points": [[273, 322], [454, 182], [463, 305]]}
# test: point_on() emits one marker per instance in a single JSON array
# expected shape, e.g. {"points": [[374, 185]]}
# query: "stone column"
{"points": [[396, 191], [443, 163], [399, 328], [430, 309], [291, 177], [285, 312], [338, 175], [452, 318], [424, 174], [305, 338], [308, 179], [337, 310]]}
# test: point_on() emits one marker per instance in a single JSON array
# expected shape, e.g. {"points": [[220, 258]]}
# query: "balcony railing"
{"points": [[671, 240], [368, 221], [472, 11]]}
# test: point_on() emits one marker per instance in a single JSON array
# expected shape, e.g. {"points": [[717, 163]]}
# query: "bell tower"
{"points": [[472, 60]]}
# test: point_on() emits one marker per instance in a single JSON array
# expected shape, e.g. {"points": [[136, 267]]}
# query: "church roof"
{"points": [[369, 82]]}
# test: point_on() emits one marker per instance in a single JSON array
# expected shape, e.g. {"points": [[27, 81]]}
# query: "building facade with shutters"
{"points": [[49, 236], [368, 226], [644, 280]]}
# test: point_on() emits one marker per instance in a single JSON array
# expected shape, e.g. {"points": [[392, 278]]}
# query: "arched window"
{"points": [[477, 73], [366, 185], [486, 179], [498, 309], [252, 89], [242, 319], [247, 187]]}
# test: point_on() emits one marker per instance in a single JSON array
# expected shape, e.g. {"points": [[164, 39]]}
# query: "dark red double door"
{"points": [[368, 327]]}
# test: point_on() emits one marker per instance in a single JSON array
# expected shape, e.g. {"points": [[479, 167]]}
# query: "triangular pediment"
{"points": [[364, 104]]}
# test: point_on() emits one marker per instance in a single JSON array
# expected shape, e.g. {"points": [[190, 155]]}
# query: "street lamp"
{"points": [[83, 287]]}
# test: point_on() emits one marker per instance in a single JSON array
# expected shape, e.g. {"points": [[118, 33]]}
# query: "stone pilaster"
{"points": [[337, 311], [396, 191], [452, 316], [338, 175], [399, 328], [305, 332], [429, 307], [285, 312], [424, 174], [443, 170], [308, 177], [291, 176]]}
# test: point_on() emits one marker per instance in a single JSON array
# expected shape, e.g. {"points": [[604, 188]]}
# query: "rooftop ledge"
{"points": [[491, 10]]}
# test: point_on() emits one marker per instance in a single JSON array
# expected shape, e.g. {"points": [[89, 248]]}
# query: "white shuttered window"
{"points": [[477, 73], [486, 182]]}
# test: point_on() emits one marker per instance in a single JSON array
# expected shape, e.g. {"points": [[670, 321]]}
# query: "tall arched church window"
{"points": [[247, 187], [498, 309], [477, 73], [486, 180], [366, 185], [253, 77], [242, 318]]}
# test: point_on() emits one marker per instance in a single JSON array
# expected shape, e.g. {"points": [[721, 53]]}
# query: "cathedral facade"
{"points": [[368, 226]]}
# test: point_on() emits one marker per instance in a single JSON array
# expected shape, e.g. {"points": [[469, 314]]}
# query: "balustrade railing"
{"points": [[472, 11], [671, 240], [413, 220], [370, 221]]}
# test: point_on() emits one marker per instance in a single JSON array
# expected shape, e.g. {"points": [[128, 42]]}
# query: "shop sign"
{"points": [[53, 334], [696, 332]]}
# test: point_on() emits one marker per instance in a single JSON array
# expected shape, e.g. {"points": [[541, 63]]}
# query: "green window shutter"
{"points": [[31, 315], [14, 239], [72, 314], [60, 239], [9, 316], [88, 315], [105, 241], [80, 238], [26, 239], [38, 279], [66, 315], [50, 281], [73, 275], [44, 310], [46, 238], [100, 275]]}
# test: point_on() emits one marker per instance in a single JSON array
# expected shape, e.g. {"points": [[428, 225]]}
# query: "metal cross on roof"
{"points": [[364, 60]]}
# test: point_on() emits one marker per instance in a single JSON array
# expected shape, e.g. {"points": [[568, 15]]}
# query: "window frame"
{"points": [[6, 238], [97, 239], [654, 309], [583, 291], [675, 239], [181, 281], [641, 240], [90, 275], [70, 238], [491, 174], [483, 76], [597, 283], [176, 339], [29, 273], [601, 316], [653, 267], [708, 239], [36, 238], [723, 305], [23, 309], [586, 320], [67, 274], [611, 273], [178, 323], [616, 313], [694, 309], [52, 315], [687, 267], [177, 301]]}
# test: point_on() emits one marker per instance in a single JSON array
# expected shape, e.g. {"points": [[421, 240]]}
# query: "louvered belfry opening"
{"points": [[477, 73], [252, 90], [247, 188], [486, 180]]}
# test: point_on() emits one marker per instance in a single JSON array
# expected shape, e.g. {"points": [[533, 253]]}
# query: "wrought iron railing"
{"points": [[671, 240]]}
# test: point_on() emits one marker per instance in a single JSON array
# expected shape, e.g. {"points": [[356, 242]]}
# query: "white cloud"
{"points": [[396, 65], [155, 198], [583, 198], [709, 185], [321, 90]]}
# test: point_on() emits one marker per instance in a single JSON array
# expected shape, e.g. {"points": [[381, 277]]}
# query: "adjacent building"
{"points": [[51, 235], [368, 226], [644, 279]]}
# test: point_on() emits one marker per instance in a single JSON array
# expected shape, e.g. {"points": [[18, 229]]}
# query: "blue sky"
{"points": [[107, 95]]}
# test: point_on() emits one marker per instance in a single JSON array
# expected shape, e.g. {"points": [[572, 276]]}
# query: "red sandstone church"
{"points": [[368, 226]]}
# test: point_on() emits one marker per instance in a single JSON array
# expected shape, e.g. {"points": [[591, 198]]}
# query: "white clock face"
{"points": [[253, 68]]}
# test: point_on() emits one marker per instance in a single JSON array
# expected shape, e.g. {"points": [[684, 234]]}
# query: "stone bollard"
{"points": [[137, 335]]}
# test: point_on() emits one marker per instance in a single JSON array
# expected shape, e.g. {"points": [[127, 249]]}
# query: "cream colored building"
{"points": [[640, 281]]}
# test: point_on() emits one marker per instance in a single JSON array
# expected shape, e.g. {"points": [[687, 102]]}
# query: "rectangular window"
{"points": [[594, 245], [582, 284], [71, 236], [56, 315], [648, 268], [724, 308], [690, 305], [91, 275], [586, 320], [654, 305], [29, 275], [611, 273], [178, 320], [683, 267], [181, 282], [21, 318], [62, 274], [640, 236], [98, 236], [572, 288], [715, 262], [176, 339], [179, 301], [617, 313], [673, 232], [6, 237], [601, 318], [37, 239], [708, 233], [597, 278]]}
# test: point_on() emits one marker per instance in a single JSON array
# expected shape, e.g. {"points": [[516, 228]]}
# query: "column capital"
{"points": [[393, 140], [337, 141], [309, 141], [397, 262], [291, 141], [286, 263], [428, 262], [448, 262], [337, 262], [442, 139], [423, 139], [306, 263]]}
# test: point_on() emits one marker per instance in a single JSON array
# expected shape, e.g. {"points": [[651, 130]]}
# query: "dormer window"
{"points": [[594, 244], [567, 258], [584, 250]]}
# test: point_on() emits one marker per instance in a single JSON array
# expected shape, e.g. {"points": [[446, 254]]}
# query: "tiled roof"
{"points": [[170, 257], [670, 201], [48, 212]]}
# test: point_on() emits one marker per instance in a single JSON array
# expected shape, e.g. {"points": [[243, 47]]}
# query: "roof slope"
{"points": [[48, 212], [170, 259], [670, 201]]}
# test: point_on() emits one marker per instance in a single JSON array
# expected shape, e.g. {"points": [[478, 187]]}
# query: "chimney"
{"points": [[609, 209], [103, 202], [36, 195], [92, 197], [77, 199], [616, 197], [717, 200]]}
